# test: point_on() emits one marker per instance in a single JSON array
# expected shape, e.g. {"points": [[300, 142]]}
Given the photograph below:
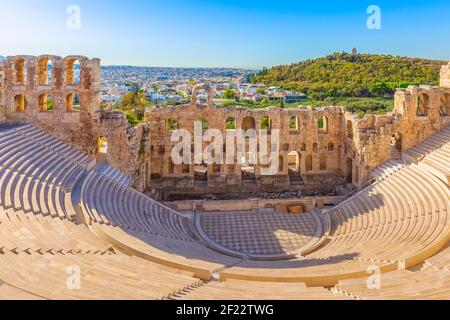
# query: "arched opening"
{"points": [[266, 124], [303, 147], [294, 161], [309, 163], [45, 72], [330, 146], [45, 103], [444, 107], [248, 123], [73, 102], [293, 125], [280, 164], [20, 103], [315, 147], [20, 68], [204, 123], [322, 124], [73, 71], [423, 101], [201, 172], [171, 124], [396, 146], [323, 162], [101, 151], [294, 167], [230, 124], [248, 167], [349, 170], [349, 129]]}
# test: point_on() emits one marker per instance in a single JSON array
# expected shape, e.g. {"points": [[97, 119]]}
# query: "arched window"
{"points": [[45, 72], [444, 108], [20, 103], [230, 124], [323, 162], [266, 123], [20, 68], [308, 163], [171, 124], [322, 124], [423, 101], [73, 70], [330, 146], [248, 123], [303, 147], [315, 147], [45, 103], [204, 123], [72, 102], [293, 124]]}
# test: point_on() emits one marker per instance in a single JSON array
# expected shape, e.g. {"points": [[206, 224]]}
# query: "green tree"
{"points": [[229, 94]]}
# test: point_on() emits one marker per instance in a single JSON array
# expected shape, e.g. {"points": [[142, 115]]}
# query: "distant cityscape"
{"points": [[173, 86]]}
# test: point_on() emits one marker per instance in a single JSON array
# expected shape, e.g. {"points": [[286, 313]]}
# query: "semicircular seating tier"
{"points": [[60, 217]]}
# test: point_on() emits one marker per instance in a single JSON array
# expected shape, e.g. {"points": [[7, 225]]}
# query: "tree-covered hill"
{"points": [[352, 75]]}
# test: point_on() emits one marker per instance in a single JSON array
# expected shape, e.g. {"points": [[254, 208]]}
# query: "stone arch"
{"points": [[230, 123], [73, 102], [248, 123], [444, 106], [322, 124], [294, 124], [266, 123], [45, 71], [330, 146], [204, 123], [20, 70], [303, 147], [423, 105], [315, 147], [72, 70], [45, 103], [171, 124], [396, 141], [208, 90], [20, 103], [309, 163]]}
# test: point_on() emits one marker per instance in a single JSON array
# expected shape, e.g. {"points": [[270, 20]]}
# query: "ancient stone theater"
{"points": [[92, 208]]}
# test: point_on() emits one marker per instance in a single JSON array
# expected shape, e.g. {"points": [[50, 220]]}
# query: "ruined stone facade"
{"points": [[319, 148]]}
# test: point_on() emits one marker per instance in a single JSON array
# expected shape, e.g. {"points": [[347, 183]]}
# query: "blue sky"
{"points": [[250, 33]]}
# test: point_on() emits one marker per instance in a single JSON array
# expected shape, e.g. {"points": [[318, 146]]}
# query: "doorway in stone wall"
{"points": [[349, 170], [396, 146], [101, 151]]}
